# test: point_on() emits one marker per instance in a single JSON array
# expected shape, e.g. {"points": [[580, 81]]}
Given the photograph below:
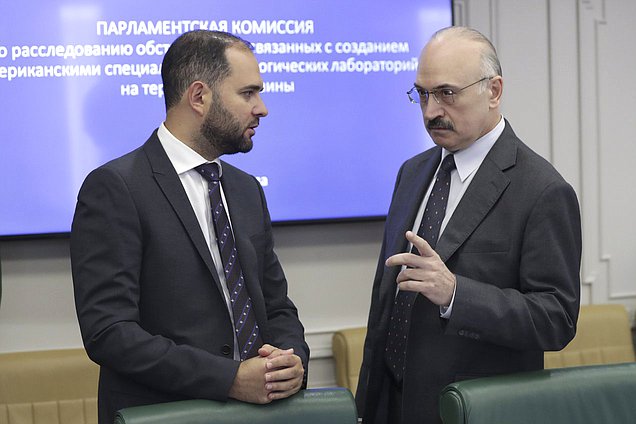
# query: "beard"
{"points": [[224, 132]]}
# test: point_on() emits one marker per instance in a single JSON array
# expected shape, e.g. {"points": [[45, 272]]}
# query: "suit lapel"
{"points": [[168, 180], [486, 188]]}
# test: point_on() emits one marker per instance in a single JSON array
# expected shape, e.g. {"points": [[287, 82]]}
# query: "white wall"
{"points": [[569, 93], [329, 269]]}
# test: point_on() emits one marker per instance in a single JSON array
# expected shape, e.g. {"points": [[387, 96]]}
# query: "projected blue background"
{"points": [[328, 150]]}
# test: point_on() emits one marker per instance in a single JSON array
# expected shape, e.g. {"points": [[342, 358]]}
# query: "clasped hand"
{"points": [[273, 374], [425, 273]]}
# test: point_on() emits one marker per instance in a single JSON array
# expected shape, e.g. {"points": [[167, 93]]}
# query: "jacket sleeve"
{"points": [[538, 308]]}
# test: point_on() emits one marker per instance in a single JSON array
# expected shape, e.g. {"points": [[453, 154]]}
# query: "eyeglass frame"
{"points": [[427, 93]]}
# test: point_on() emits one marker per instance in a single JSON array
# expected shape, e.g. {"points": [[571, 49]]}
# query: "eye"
{"points": [[447, 92], [248, 94]]}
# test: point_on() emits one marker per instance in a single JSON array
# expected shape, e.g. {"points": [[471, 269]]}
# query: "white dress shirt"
{"points": [[184, 160]]}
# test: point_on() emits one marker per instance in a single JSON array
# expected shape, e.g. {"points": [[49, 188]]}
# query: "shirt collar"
{"points": [[183, 158], [469, 159]]}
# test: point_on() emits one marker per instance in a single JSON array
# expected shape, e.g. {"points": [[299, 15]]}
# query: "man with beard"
{"points": [[176, 298], [479, 269]]}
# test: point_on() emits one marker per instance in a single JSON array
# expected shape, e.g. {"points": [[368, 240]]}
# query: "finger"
{"points": [[284, 360], [284, 368], [401, 259], [282, 394], [411, 285], [279, 352], [404, 276], [420, 272], [283, 386], [282, 375], [420, 244], [270, 351], [281, 381], [266, 350]]}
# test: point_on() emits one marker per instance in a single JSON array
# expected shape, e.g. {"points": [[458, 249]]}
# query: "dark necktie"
{"points": [[404, 300], [247, 331]]}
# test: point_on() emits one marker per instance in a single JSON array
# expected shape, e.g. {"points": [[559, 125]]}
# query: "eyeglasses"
{"points": [[441, 95]]}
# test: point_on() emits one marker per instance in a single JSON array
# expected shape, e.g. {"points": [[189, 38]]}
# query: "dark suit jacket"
{"points": [[514, 244], [149, 301]]}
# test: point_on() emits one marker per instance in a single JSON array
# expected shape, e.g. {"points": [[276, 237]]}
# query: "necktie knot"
{"points": [[448, 164], [209, 171]]}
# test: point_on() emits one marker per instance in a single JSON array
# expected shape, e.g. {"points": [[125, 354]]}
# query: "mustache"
{"points": [[439, 123]]}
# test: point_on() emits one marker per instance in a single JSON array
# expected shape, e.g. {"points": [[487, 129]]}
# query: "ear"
{"points": [[199, 97], [496, 90]]}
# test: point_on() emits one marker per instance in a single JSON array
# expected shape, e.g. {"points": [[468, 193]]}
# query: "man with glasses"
{"points": [[479, 269]]}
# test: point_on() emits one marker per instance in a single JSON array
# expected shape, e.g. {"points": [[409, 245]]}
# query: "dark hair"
{"points": [[196, 56]]}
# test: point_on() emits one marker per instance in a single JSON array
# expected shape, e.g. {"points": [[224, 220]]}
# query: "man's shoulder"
{"points": [[134, 160], [434, 153], [534, 166], [513, 155], [131, 169], [126, 160]]}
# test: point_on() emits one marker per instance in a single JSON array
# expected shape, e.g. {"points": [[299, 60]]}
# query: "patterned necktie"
{"points": [[247, 331], [395, 350]]}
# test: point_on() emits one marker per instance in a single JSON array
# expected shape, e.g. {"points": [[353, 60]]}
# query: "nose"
{"points": [[260, 109], [432, 109]]}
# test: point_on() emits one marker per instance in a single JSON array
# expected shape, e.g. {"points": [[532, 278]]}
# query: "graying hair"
{"points": [[489, 62]]}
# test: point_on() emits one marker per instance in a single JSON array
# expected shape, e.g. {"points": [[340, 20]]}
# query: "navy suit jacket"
{"points": [[149, 301], [514, 244]]}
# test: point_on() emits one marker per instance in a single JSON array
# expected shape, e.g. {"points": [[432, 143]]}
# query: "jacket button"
{"points": [[226, 350], [460, 332]]}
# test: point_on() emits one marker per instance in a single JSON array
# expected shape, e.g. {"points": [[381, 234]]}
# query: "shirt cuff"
{"points": [[446, 311]]}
